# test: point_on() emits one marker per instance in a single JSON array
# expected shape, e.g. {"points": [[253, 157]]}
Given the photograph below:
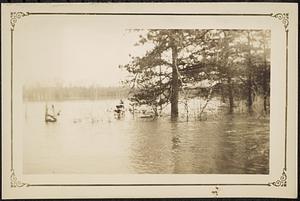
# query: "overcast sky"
{"points": [[74, 50]]}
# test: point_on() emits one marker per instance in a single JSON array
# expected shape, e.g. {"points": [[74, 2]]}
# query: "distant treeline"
{"points": [[59, 93]]}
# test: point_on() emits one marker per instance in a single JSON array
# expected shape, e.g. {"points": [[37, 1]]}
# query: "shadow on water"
{"points": [[243, 145], [237, 144]]}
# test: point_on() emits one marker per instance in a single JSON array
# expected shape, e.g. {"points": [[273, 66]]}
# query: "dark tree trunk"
{"points": [[160, 89], [249, 81], [265, 76], [222, 93], [175, 87], [249, 90], [265, 88], [230, 95]]}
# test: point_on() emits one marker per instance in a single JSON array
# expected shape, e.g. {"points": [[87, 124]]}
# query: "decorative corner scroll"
{"points": [[14, 16], [14, 182], [281, 182], [216, 191], [283, 17]]}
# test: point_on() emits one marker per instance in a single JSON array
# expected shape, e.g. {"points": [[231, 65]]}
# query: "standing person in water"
{"points": [[122, 105], [119, 111], [53, 111], [46, 112]]}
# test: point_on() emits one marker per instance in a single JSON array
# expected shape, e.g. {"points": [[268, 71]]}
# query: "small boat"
{"points": [[147, 116], [51, 118]]}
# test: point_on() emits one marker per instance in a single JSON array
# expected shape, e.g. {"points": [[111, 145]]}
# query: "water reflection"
{"points": [[90, 140]]}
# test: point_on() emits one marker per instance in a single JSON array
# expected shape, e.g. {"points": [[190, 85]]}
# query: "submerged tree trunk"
{"points": [[160, 88], [249, 95], [265, 93], [230, 95], [222, 94], [265, 76], [175, 87], [249, 81]]}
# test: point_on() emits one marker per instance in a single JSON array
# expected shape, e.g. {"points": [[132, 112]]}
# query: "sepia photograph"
{"points": [[154, 100], [163, 101]]}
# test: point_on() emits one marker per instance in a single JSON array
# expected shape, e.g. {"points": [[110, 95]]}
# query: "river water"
{"points": [[87, 139]]}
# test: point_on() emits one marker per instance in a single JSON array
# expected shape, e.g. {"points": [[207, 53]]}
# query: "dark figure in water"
{"points": [[52, 116], [120, 110]]}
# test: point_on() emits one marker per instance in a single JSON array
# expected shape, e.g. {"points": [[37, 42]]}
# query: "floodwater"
{"points": [[87, 139]]}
